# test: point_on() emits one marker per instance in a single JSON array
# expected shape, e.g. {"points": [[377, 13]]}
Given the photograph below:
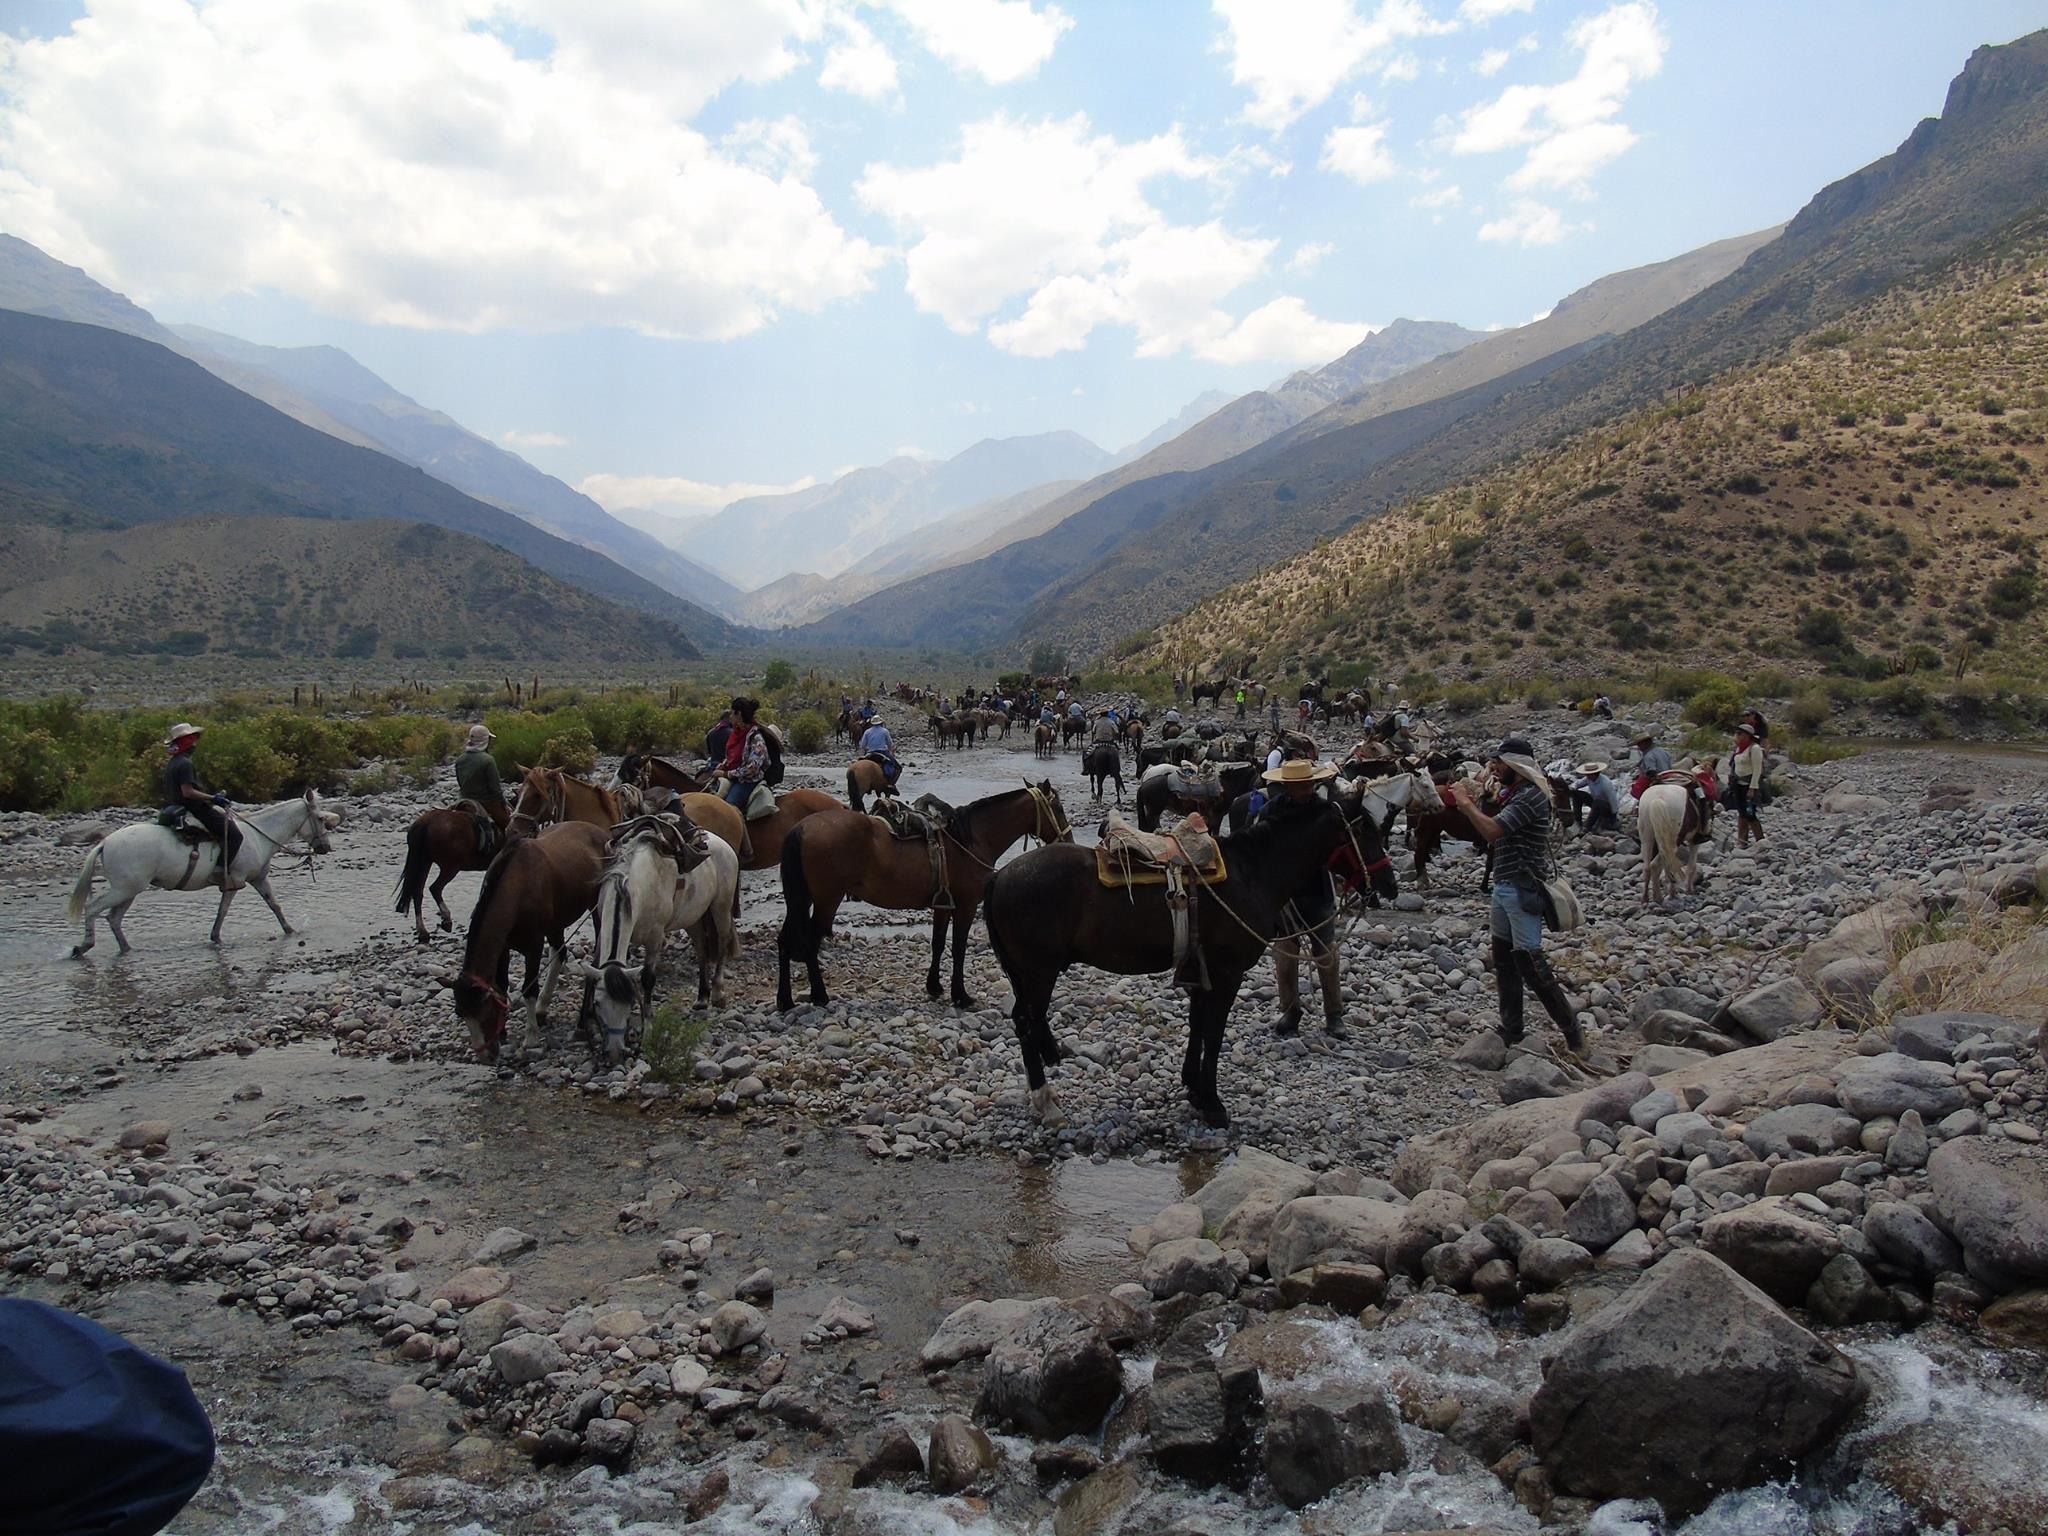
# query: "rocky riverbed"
{"points": [[421, 1296]]}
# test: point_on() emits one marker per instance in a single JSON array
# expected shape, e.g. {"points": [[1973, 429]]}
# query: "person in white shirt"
{"points": [[1746, 767]]}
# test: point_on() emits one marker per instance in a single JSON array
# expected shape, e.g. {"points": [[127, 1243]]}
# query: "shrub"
{"points": [[1899, 696], [807, 731], [670, 1043], [1745, 485], [1808, 712], [521, 739], [570, 749], [1717, 706], [236, 759], [780, 675], [33, 772], [1921, 657], [1822, 629]]}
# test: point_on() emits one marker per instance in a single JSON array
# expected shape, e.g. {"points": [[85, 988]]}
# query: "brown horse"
{"points": [[532, 894], [1075, 730], [866, 777], [1045, 740], [446, 838], [845, 855], [549, 795]]}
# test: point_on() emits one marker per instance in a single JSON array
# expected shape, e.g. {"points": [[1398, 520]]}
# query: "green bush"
{"points": [[33, 771], [570, 749], [1808, 711], [807, 731], [1718, 706], [1921, 657], [780, 675], [521, 738], [235, 758], [1899, 696], [670, 1042], [1822, 629]]}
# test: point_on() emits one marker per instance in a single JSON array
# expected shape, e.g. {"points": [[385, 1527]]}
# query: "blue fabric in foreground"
{"points": [[97, 1437]]}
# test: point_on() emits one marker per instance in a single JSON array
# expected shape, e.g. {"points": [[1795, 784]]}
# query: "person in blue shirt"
{"points": [[875, 742]]}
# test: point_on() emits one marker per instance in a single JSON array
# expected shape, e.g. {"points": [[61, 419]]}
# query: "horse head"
{"points": [[317, 824], [1051, 824], [614, 1000], [482, 1007]]}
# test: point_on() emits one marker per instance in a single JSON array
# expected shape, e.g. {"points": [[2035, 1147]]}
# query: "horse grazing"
{"points": [[147, 854], [445, 839], [866, 777], [550, 795], [1048, 910], [1668, 824], [653, 886], [1104, 761], [841, 855], [533, 892], [1045, 740]]}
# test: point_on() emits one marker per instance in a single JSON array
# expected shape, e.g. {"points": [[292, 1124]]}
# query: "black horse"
{"points": [[1047, 910], [1156, 796], [1104, 761], [1210, 690]]}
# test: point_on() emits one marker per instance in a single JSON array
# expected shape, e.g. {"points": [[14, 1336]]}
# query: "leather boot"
{"points": [[1535, 971], [1507, 981]]}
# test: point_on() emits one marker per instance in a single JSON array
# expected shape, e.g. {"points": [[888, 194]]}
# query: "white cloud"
{"points": [[1000, 40], [1570, 128], [518, 439], [1310, 256], [1527, 223], [778, 147], [1480, 12], [1439, 197], [674, 495], [1359, 153], [405, 164], [1292, 56], [1284, 331], [1492, 62], [1402, 67], [858, 62]]}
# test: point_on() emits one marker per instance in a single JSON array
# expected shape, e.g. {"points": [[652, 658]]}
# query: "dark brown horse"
{"points": [[445, 839], [840, 856], [1075, 729], [1048, 910], [532, 894], [1104, 762]]}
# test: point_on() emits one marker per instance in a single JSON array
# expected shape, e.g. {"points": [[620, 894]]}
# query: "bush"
{"points": [[570, 749], [1822, 629], [670, 1043], [1899, 696], [236, 759], [1718, 706], [33, 773], [780, 675], [1808, 711], [807, 731]]}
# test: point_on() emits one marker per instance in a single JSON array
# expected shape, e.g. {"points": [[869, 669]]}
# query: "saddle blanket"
{"points": [[908, 822], [1194, 785], [1126, 857]]}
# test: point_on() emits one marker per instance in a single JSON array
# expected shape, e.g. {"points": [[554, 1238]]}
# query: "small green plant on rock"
{"points": [[670, 1042]]}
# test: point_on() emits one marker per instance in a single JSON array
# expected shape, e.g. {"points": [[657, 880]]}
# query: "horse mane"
{"points": [[493, 874], [961, 825]]}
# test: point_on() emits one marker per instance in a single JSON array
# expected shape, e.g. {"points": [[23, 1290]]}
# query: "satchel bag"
{"points": [[1561, 912]]}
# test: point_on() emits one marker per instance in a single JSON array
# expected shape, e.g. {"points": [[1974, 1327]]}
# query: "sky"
{"points": [[675, 251]]}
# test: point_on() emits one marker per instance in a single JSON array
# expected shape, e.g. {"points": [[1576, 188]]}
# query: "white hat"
{"points": [[1299, 770], [1591, 770], [181, 730], [480, 736]]}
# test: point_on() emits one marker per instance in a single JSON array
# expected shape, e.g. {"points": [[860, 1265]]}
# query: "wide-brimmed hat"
{"points": [[480, 736], [1637, 741], [1744, 728], [1520, 758], [1591, 770], [181, 730], [1299, 770]]}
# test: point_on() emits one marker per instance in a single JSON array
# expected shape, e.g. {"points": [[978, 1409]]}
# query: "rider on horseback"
{"points": [[746, 754], [875, 742], [183, 792], [476, 776]]}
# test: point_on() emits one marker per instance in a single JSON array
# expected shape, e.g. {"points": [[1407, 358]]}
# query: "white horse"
{"points": [[1663, 818], [705, 903], [147, 853], [636, 897]]}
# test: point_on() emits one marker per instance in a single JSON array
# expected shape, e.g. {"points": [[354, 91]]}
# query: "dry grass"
{"points": [[2007, 975]]}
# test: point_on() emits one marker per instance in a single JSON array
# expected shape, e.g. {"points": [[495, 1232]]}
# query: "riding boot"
{"points": [[1507, 981], [230, 845], [1535, 971]]}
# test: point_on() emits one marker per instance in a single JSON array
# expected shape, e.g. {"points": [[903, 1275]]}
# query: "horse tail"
{"points": [[797, 926], [853, 789], [81, 888], [988, 916], [419, 860]]}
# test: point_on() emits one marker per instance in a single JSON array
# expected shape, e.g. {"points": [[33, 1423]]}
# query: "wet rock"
{"points": [[1191, 1266], [736, 1325], [1053, 1375], [971, 1331], [792, 1405], [1773, 1245], [610, 1441], [1251, 1169], [504, 1243], [1656, 1395], [1324, 1228], [1202, 1422], [1780, 1008], [1601, 1215], [843, 1318], [2021, 1319], [528, 1357], [1057, 1463], [961, 1455], [1993, 1195], [1348, 1288], [889, 1456], [1893, 1083], [1095, 1505], [1844, 1293], [711, 1492], [557, 1447], [1317, 1441], [474, 1286]]}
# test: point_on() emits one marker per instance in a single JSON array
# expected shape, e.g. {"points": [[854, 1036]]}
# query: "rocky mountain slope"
{"points": [[309, 587], [1870, 492], [98, 428]]}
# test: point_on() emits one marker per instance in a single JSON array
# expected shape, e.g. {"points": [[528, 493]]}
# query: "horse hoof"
{"points": [[962, 1000], [78, 951], [1288, 1024], [1336, 1031], [1214, 1115]]}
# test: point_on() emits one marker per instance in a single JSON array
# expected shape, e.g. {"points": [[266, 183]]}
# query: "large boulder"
{"points": [[1053, 1375], [1251, 1171], [1812, 1128], [1600, 1216], [1694, 1005], [1902, 1234], [1191, 1266], [1893, 1083], [1782, 1007], [1934, 970], [1868, 934], [1935, 1036], [1847, 985], [1319, 1228], [1657, 1395], [1610, 1103], [1774, 1245], [971, 1331], [1319, 1440], [1992, 1194]]}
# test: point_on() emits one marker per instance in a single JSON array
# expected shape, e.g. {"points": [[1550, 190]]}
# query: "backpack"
{"points": [[772, 739]]}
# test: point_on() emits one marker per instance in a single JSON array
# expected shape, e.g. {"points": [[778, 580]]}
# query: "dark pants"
{"points": [[222, 827]]}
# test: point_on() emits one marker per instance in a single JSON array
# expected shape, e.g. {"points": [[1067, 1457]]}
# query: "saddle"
{"points": [[891, 769], [688, 845], [487, 834], [1181, 860], [1191, 782], [189, 832], [925, 820]]}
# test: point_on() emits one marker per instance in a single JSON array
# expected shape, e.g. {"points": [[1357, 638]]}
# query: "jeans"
{"points": [[1516, 915], [739, 792]]}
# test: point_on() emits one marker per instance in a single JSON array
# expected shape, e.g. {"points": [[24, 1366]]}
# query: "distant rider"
{"points": [[476, 775], [876, 743], [183, 790]]}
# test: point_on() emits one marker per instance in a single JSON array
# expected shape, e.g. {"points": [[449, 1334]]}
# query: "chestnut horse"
{"points": [[549, 795], [532, 894], [842, 855], [866, 777], [445, 838]]}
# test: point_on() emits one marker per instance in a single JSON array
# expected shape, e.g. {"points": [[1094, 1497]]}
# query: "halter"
{"points": [[281, 843], [1048, 814]]}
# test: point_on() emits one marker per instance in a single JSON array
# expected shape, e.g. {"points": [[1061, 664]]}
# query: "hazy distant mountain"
{"points": [[827, 528], [1206, 403]]}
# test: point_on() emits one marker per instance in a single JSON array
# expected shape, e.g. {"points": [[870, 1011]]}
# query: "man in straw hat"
{"points": [[1293, 789], [1746, 767], [1520, 835], [476, 775], [184, 792], [1603, 814]]}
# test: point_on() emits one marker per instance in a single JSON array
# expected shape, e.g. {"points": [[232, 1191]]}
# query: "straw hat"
{"points": [[181, 730], [1298, 770], [1643, 740], [1746, 729], [1520, 758], [480, 737], [1591, 770]]}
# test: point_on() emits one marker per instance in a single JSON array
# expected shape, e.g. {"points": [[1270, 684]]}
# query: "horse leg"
{"points": [[448, 872], [1028, 1014], [560, 947], [963, 924], [262, 884], [931, 977], [1287, 982], [1207, 1014], [226, 895], [115, 914]]}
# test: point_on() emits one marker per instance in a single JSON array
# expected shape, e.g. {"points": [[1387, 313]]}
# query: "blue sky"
{"points": [[667, 248]]}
